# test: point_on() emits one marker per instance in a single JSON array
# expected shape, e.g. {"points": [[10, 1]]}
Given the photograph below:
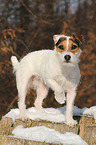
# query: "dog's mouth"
{"points": [[67, 61]]}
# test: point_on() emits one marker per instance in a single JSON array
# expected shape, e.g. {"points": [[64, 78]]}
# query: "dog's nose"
{"points": [[67, 57]]}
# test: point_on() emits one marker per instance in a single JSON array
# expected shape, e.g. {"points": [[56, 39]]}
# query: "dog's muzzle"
{"points": [[67, 58]]}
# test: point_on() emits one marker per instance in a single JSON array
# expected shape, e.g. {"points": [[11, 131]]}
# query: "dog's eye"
{"points": [[74, 47], [61, 47]]}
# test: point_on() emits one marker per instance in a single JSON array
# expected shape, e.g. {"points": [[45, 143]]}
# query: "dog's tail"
{"points": [[15, 63]]}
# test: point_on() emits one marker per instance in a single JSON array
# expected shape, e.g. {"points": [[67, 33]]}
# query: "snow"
{"points": [[52, 114], [45, 134], [91, 112]]}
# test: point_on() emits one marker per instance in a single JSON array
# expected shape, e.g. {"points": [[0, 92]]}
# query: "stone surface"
{"points": [[86, 129], [5, 140]]}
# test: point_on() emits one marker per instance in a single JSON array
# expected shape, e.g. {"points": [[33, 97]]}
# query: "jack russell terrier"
{"points": [[56, 69]]}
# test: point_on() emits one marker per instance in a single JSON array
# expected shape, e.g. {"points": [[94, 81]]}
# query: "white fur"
{"points": [[46, 69]]}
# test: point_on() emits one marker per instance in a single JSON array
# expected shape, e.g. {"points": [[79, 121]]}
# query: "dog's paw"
{"points": [[41, 110], [23, 117], [60, 98], [71, 122]]}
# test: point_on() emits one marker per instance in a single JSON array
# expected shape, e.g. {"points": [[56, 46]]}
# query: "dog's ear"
{"points": [[78, 39], [56, 38]]}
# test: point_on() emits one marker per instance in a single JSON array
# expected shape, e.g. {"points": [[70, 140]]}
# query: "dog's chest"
{"points": [[72, 77]]}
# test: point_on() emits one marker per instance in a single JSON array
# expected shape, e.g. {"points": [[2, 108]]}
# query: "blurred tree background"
{"points": [[27, 26]]}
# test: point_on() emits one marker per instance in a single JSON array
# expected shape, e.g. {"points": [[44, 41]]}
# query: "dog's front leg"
{"points": [[54, 86], [60, 97], [59, 93], [69, 108]]}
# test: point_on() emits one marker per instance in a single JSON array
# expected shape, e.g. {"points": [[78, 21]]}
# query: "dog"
{"points": [[56, 69]]}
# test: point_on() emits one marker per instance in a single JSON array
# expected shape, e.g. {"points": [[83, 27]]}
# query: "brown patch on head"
{"points": [[73, 46], [61, 44]]}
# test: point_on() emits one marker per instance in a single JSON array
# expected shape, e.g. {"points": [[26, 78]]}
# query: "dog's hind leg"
{"points": [[42, 92], [22, 90], [21, 104]]}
